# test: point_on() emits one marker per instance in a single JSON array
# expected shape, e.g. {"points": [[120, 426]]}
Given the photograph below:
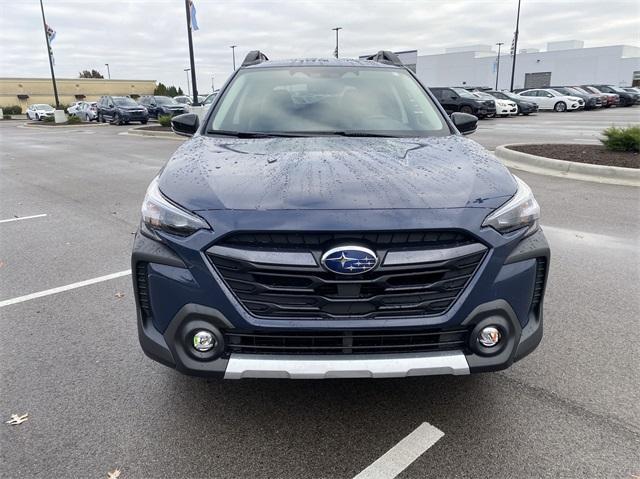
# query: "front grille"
{"points": [[323, 240], [310, 292], [538, 288], [142, 286], [345, 342]]}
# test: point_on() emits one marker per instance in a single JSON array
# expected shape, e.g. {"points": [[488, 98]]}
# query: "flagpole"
{"points": [[515, 47], [193, 66], [53, 75]]}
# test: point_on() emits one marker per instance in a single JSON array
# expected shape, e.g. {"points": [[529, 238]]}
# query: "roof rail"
{"points": [[386, 56], [254, 57]]}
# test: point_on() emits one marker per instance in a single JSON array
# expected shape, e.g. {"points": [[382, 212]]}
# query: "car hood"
{"points": [[334, 173]]}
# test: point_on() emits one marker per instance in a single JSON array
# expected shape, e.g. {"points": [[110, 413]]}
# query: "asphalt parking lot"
{"points": [[96, 403]]}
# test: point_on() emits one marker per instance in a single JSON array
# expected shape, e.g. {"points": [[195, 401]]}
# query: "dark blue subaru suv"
{"points": [[328, 219]]}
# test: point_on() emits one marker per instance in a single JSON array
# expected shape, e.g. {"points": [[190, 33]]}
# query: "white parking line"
{"points": [[60, 289], [22, 218], [400, 456]]}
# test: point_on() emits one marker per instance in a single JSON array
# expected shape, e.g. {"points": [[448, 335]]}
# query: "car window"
{"points": [[163, 100], [321, 100], [124, 101], [464, 93]]}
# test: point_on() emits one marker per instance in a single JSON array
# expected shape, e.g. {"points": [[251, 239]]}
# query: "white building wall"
{"points": [[611, 65]]}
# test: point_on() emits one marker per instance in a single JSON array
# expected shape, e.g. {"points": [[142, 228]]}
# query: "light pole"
{"points": [[192, 62], [233, 53], [108, 71], [337, 29], [498, 63], [187, 70], [515, 47], [212, 87], [53, 75]]}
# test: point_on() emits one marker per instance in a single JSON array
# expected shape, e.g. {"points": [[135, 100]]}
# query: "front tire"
{"points": [[144, 122], [466, 109], [560, 107]]}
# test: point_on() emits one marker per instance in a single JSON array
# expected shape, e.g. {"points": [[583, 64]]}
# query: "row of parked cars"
{"points": [[478, 101], [487, 103], [121, 109]]}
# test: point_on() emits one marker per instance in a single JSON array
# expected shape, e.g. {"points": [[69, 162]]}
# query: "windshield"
{"points": [[44, 107], [617, 89], [124, 101], [317, 100], [499, 95], [464, 93], [165, 100], [481, 94]]}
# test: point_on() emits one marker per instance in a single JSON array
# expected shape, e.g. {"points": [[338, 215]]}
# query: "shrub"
{"points": [[63, 106], [49, 119], [622, 139], [6, 117], [164, 120], [73, 120], [12, 110]]}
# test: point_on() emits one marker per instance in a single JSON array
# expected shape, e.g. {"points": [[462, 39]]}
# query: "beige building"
{"points": [[26, 91]]}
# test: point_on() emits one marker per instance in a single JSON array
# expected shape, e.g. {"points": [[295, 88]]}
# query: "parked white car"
{"points": [[88, 111], [75, 107], [504, 108], [40, 111], [209, 101], [550, 99]]}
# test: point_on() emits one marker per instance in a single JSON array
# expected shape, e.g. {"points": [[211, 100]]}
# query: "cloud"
{"points": [[145, 39]]}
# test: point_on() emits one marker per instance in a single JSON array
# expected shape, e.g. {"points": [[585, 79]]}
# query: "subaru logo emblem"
{"points": [[349, 260]]}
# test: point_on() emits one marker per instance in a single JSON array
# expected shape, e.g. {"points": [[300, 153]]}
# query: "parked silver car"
{"points": [[39, 111]]}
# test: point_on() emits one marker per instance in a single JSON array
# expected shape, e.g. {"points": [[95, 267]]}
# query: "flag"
{"points": [[51, 35], [192, 14]]}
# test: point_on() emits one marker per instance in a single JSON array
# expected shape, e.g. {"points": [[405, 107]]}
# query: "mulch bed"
{"points": [[594, 154], [155, 128]]}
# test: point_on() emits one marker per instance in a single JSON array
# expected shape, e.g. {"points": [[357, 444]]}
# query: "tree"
{"points": [[90, 74], [164, 90]]}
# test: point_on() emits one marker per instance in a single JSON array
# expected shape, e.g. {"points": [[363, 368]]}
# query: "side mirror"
{"points": [[186, 124], [465, 123], [110, 105]]}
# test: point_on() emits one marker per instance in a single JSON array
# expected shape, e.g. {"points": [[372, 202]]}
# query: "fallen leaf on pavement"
{"points": [[115, 474], [15, 419], [119, 295]]}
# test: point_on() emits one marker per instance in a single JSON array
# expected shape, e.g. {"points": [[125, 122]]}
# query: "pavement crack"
{"points": [[575, 408]]}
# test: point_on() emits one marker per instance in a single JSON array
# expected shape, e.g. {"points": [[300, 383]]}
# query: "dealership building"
{"points": [[562, 63], [27, 91]]}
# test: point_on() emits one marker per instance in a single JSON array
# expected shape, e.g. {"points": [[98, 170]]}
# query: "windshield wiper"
{"points": [[349, 133], [248, 134]]}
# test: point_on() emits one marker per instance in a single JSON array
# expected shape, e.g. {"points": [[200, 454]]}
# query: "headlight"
{"points": [[520, 211], [160, 214]]}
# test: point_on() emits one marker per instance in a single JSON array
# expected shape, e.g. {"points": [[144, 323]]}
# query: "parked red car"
{"points": [[608, 100]]}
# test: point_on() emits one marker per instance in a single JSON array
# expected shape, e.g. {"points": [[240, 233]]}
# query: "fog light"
{"points": [[204, 341], [489, 336]]}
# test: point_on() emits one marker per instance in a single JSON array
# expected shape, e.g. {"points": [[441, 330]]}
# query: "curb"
{"points": [[140, 131], [613, 175], [77, 125]]}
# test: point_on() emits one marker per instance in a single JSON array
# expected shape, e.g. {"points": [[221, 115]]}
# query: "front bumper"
{"points": [[179, 306]]}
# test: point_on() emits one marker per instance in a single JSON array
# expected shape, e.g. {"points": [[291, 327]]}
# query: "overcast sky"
{"points": [[146, 39]]}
